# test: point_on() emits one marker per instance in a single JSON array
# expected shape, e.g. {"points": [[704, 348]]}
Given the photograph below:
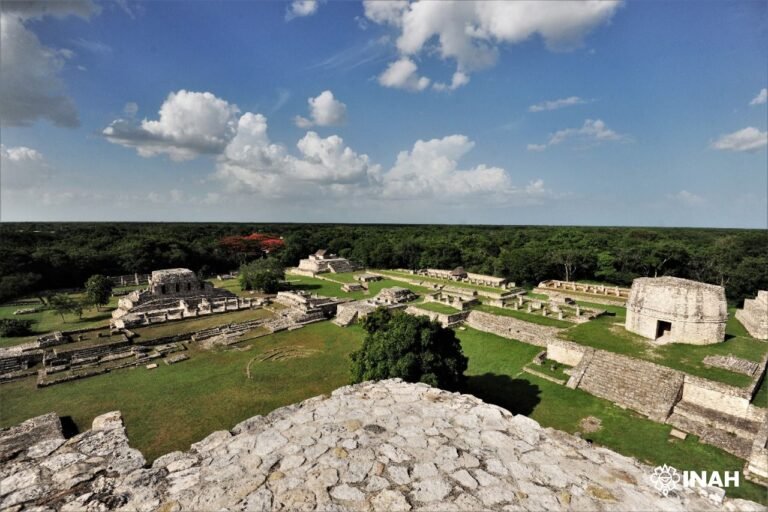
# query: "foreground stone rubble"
{"points": [[375, 446]]}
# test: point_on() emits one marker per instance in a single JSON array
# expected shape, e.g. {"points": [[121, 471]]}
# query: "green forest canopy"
{"points": [[36, 256]]}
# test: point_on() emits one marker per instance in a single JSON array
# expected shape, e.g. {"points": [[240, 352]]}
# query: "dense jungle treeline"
{"points": [[36, 256]]}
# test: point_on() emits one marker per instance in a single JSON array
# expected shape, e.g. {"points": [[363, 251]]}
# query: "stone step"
{"points": [[717, 419]]}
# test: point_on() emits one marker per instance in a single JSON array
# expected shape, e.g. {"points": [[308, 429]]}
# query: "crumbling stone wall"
{"points": [[754, 315], [445, 320], [380, 446], [509, 327]]}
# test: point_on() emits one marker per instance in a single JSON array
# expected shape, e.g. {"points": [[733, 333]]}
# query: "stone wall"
{"points": [[512, 328], [754, 315], [567, 353], [382, 446]]}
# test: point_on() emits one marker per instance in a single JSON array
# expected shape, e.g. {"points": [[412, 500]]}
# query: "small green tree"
{"points": [[98, 288], [63, 303], [412, 348], [263, 274]]}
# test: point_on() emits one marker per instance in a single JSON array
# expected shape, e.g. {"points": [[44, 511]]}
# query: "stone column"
{"points": [[529, 307], [578, 311], [559, 315], [543, 311]]}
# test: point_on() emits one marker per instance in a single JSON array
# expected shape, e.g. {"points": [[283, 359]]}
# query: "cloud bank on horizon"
{"points": [[406, 122]]}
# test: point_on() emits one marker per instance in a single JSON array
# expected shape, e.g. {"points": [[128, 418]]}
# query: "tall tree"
{"points": [[263, 274], [98, 288]]}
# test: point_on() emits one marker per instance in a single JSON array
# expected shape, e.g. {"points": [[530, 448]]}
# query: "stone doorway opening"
{"points": [[662, 328]]}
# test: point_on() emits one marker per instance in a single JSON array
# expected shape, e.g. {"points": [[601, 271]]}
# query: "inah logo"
{"points": [[665, 479]]}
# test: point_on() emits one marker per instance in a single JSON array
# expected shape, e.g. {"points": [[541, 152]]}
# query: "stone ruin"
{"points": [[312, 307], [173, 294], [675, 310], [598, 293], [462, 300], [383, 446], [323, 261], [459, 274], [754, 315], [390, 298]]}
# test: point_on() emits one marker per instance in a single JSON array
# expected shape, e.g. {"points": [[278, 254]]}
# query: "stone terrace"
{"points": [[375, 446]]}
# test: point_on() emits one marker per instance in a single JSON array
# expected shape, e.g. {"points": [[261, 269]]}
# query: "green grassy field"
{"points": [[607, 333], [524, 315], [197, 324], [173, 406], [437, 307]]}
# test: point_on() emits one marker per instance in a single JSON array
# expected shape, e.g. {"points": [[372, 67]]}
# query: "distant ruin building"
{"points": [[459, 274], [173, 294], [323, 261], [754, 316], [674, 310]]}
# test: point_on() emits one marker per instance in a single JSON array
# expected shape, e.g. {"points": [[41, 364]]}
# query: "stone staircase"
{"points": [[732, 434], [339, 267], [345, 317]]}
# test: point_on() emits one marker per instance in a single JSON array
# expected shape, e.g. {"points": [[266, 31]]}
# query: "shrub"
{"points": [[15, 327]]}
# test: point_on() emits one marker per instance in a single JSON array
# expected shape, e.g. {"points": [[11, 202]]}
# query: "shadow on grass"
{"points": [[305, 286], [68, 426], [518, 396]]}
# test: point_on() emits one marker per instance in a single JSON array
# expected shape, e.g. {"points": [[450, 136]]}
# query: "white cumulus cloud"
{"points": [[470, 33], [592, 132], [301, 8], [747, 139], [761, 97], [32, 88], [22, 168], [402, 74], [687, 198], [556, 104], [190, 123], [324, 110]]}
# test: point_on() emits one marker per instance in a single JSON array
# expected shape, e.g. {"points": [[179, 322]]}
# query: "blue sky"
{"points": [[634, 113]]}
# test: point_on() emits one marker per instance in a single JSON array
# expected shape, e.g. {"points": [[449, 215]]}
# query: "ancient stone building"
{"points": [[674, 310], [173, 294], [754, 316], [323, 261], [376, 446]]}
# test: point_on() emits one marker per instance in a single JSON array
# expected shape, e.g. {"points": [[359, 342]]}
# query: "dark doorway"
{"points": [[662, 328]]}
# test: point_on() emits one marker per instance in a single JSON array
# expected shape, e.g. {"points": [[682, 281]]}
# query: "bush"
{"points": [[15, 327], [415, 349]]}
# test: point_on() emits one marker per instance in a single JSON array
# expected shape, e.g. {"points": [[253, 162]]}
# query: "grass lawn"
{"points": [[761, 396], [495, 375], [436, 280], [524, 315], [437, 307], [48, 320], [603, 333], [329, 289], [173, 406]]}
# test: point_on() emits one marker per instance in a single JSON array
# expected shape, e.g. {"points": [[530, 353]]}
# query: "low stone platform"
{"points": [[375, 446]]}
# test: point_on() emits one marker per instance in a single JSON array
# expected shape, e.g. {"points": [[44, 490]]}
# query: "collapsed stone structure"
{"points": [[754, 315], [323, 261], [312, 306], [382, 446], [675, 310], [598, 293], [173, 294]]}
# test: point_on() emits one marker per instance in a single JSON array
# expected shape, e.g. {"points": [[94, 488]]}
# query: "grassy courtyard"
{"points": [[437, 307], [457, 284], [331, 289], [173, 406], [608, 333]]}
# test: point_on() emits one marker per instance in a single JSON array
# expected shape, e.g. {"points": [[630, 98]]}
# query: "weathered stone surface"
{"points": [[427, 450]]}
